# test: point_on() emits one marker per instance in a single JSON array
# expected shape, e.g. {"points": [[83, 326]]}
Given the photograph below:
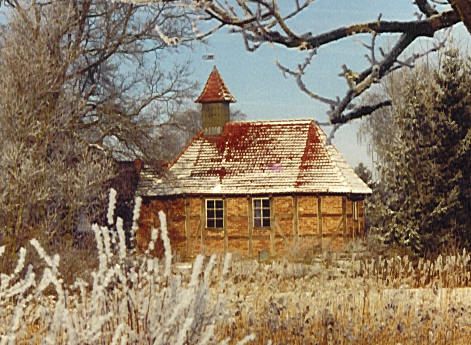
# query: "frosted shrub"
{"points": [[131, 299], [111, 206]]}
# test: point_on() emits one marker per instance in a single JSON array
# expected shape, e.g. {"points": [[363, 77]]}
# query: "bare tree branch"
{"points": [[298, 76], [265, 21], [426, 8], [360, 112], [426, 27], [463, 9]]}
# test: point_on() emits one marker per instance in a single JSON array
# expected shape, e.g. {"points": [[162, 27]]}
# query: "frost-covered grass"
{"points": [[351, 302], [131, 299], [137, 299]]}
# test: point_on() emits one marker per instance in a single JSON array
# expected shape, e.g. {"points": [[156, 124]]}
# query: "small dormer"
{"points": [[215, 100]]}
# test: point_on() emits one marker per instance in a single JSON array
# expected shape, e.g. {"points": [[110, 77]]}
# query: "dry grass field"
{"points": [[285, 303], [135, 299]]}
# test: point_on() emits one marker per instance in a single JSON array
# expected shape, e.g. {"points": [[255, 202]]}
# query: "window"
{"points": [[214, 213], [355, 210], [261, 212]]}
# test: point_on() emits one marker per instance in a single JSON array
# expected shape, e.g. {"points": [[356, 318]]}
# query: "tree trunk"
{"points": [[463, 8]]}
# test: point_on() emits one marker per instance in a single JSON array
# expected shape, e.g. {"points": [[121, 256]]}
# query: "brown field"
{"points": [[333, 299], [380, 302]]}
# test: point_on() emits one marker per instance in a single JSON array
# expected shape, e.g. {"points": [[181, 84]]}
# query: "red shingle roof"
{"points": [[215, 90], [257, 158]]}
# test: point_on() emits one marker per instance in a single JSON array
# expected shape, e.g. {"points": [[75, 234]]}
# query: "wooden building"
{"points": [[253, 188]]}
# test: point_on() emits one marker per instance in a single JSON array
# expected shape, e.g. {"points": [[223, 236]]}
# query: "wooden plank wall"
{"points": [[299, 223]]}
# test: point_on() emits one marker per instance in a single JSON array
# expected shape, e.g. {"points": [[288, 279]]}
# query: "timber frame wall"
{"points": [[325, 222]]}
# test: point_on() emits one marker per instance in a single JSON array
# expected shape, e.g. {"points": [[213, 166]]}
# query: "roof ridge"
{"points": [[300, 170], [338, 160]]}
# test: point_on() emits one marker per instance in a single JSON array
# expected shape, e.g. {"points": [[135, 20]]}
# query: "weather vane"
{"points": [[208, 57]]}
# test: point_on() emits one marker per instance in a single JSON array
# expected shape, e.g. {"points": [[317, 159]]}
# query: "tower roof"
{"points": [[215, 90]]}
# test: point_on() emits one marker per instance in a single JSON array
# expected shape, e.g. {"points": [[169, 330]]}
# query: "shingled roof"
{"points": [[215, 90], [265, 157]]}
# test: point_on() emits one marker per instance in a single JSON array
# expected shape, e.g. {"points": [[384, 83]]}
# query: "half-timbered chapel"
{"points": [[253, 188]]}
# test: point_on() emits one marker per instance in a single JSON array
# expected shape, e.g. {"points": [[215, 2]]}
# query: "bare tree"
{"points": [[112, 57], [75, 74]]}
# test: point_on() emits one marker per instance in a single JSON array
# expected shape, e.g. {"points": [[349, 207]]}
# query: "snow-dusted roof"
{"points": [[263, 157], [215, 90]]}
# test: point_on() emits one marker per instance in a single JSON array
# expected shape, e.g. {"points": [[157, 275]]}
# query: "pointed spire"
{"points": [[215, 90]]}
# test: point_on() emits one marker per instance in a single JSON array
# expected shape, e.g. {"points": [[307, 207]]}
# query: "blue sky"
{"points": [[264, 94]]}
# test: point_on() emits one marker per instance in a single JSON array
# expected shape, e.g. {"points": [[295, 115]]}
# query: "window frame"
{"points": [[262, 208], [214, 209]]}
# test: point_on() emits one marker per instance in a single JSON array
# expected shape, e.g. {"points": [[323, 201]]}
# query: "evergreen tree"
{"points": [[425, 165]]}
